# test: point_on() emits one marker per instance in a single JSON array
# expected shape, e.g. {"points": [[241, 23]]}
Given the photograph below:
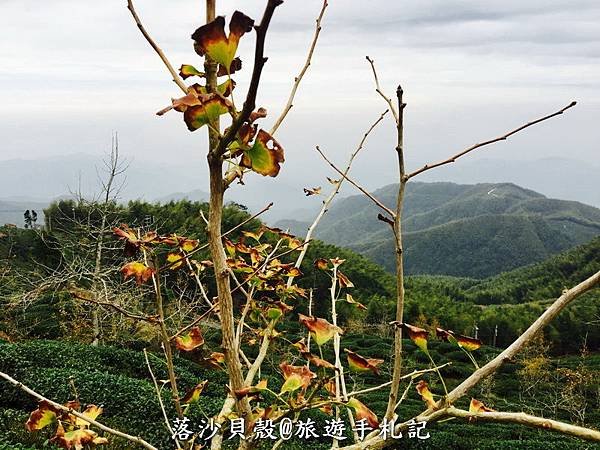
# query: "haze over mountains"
{"points": [[450, 228], [27, 184]]}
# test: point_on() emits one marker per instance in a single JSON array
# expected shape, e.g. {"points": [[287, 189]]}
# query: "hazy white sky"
{"points": [[73, 71]]}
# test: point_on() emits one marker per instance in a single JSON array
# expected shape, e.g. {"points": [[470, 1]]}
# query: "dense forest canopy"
{"points": [[509, 301]]}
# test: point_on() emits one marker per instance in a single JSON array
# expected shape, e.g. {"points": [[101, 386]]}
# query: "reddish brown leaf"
{"points": [[319, 362], [350, 299], [320, 329], [423, 390], [359, 363], [190, 341], [362, 412], [260, 113], [215, 360], [132, 242], [210, 39], [330, 387], [140, 271], [193, 395], [321, 264], [478, 407], [301, 345], [235, 65], [295, 377], [251, 390], [344, 280]]}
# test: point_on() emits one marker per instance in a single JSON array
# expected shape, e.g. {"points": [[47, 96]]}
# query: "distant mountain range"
{"points": [[564, 178], [39, 182], [461, 230], [455, 229]]}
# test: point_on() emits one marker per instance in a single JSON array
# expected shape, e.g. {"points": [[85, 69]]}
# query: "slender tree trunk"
{"points": [[96, 276], [397, 228], [217, 190]]}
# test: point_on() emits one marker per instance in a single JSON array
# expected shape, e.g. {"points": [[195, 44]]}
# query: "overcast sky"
{"points": [[73, 71]]}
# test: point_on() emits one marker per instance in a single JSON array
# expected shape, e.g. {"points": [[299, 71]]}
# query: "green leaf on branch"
{"points": [[186, 71], [43, 416], [211, 40], [190, 341], [207, 111], [321, 330], [359, 363], [265, 155]]}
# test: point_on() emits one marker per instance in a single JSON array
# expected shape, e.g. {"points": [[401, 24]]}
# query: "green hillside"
{"points": [[454, 229], [510, 300], [46, 353], [118, 379]]}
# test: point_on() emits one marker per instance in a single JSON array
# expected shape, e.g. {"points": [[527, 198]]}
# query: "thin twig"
{"points": [[430, 415], [380, 92], [150, 319], [195, 321], [411, 375], [136, 439], [298, 78], [356, 185], [330, 197], [488, 142], [176, 78], [160, 402]]}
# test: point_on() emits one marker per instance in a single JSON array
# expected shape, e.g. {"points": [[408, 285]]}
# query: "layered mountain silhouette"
{"points": [[459, 229]]}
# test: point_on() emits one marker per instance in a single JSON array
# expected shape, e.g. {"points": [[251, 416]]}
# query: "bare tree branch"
{"points": [[356, 185], [528, 420], [81, 295], [491, 141], [196, 321], [176, 78], [413, 374], [559, 304], [380, 92], [298, 78], [136, 439], [159, 397], [375, 442], [333, 193]]}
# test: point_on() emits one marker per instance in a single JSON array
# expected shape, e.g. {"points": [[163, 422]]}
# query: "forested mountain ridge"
{"points": [[461, 230], [511, 299]]}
